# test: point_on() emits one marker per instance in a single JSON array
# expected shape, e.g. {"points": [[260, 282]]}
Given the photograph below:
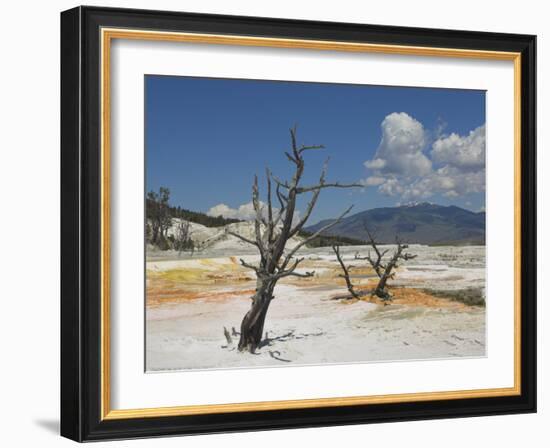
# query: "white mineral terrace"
{"points": [[191, 300]]}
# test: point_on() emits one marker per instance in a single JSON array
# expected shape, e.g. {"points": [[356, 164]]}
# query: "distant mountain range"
{"points": [[423, 223]]}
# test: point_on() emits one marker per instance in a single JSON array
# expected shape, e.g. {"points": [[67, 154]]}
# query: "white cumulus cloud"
{"points": [[461, 151], [448, 181], [375, 164], [244, 212], [391, 187], [373, 181], [400, 151], [454, 167]]}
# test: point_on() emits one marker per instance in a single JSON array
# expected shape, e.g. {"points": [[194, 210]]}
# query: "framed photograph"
{"points": [[276, 224]]}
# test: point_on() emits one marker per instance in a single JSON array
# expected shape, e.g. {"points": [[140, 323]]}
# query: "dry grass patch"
{"points": [[418, 297]]}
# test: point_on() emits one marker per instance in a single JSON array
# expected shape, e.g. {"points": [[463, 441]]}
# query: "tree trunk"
{"points": [[252, 325], [155, 231], [380, 290], [382, 284]]}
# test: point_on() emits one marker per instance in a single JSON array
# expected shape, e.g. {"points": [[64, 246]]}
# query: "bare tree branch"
{"points": [[297, 261], [291, 270], [302, 190], [376, 264], [283, 199], [346, 269], [309, 147], [293, 142], [249, 266], [246, 240], [280, 183], [297, 274], [270, 224], [311, 203], [227, 336], [316, 234], [289, 157], [259, 220]]}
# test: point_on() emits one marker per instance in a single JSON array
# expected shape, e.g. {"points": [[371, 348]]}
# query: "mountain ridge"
{"points": [[423, 223]]}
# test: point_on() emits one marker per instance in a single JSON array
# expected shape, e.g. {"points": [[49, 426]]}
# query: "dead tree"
{"points": [[384, 270], [182, 239], [346, 270], [227, 336], [158, 215], [273, 227], [376, 262], [388, 271]]}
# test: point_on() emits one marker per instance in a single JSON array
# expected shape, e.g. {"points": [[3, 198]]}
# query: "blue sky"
{"points": [[206, 138]]}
